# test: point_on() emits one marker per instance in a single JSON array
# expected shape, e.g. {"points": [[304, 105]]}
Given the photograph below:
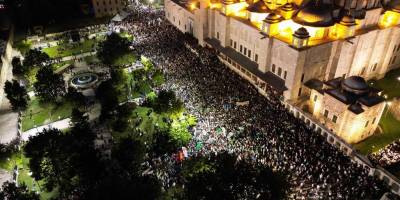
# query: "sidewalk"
{"points": [[62, 124]]}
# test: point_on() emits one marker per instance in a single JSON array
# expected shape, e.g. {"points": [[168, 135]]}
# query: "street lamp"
{"points": [[387, 109]]}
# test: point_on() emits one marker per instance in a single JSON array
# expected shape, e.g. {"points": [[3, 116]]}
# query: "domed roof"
{"points": [[273, 18], [314, 14], [348, 20], [394, 5], [287, 7], [301, 33], [259, 7], [355, 84]]}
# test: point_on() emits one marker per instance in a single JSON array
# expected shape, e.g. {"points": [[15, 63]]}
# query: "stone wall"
{"points": [[395, 108]]}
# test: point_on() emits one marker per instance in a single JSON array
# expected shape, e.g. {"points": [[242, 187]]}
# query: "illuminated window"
{"points": [[326, 113], [315, 98], [273, 68], [234, 45], [256, 58], [284, 74], [241, 48], [366, 124], [279, 71], [373, 121], [334, 119], [231, 42], [245, 51], [249, 53]]}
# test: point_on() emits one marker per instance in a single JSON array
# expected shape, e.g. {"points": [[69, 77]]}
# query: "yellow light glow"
{"points": [[356, 130], [317, 107], [237, 9], [193, 6], [215, 5], [257, 19], [389, 18], [288, 27]]}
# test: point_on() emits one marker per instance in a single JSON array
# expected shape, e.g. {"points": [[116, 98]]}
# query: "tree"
{"points": [[75, 97], [17, 95], [224, 177], [11, 192], [163, 143], [129, 153], [166, 102], [35, 58], [17, 68], [112, 48], [108, 97], [78, 118], [49, 86]]}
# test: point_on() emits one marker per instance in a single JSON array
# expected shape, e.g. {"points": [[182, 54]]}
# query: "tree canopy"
{"points": [[112, 48], [17, 95], [11, 192], [35, 58], [49, 86], [222, 176]]}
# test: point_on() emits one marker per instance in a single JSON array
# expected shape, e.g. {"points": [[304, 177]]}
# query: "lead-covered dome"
{"points": [[314, 14], [355, 85], [259, 7]]}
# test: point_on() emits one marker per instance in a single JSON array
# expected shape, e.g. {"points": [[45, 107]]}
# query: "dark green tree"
{"points": [[35, 58], [108, 97], [17, 68], [17, 95], [11, 192], [163, 143], [75, 97], [224, 177], [112, 48], [167, 102], [49, 86]]}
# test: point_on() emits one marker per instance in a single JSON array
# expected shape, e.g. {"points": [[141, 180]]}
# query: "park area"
{"points": [[390, 86], [38, 114], [70, 49], [24, 177]]}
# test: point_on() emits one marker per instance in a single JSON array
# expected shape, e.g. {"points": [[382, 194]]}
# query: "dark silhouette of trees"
{"points": [[17, 95], [11, 192], [112, 48], [49, 87]]}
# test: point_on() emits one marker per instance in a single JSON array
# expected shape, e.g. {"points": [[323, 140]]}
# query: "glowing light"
{"points": [[288, 27], [237, 9], [257, 19], [356, 129], [389, 18], [215, 5], [193, 6]]}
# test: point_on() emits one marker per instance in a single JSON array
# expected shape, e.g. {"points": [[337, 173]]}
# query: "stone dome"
{"points": [[348, 20], [301, 33], [259, 7], [356, 85], [314, 14], [273, 18]]}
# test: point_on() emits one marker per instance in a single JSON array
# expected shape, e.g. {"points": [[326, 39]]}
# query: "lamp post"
{"points": [[387, 109]]}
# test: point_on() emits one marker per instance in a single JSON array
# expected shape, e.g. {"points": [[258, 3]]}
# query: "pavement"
{"points": [[8, 118], [61, 124]]}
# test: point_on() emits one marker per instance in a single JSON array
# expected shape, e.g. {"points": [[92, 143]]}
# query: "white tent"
{"points": [[117, 18]]}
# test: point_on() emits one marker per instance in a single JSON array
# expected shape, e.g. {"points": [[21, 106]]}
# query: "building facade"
{"points": [[102, 8], [286, 43]]}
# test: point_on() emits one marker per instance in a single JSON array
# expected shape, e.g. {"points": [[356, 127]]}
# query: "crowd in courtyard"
{"points": [[262, 131]]}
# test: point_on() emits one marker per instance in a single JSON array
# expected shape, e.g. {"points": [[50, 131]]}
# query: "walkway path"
{"points": [[62, 124]]}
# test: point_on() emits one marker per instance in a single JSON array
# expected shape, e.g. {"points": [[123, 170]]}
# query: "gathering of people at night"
{"points": [[261, 130]]}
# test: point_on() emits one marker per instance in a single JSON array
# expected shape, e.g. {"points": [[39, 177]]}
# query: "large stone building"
{"points": [[286, 43], [104, 8]]}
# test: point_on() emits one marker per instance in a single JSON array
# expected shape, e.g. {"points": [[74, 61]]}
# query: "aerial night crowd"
{"points": [[262, 131]]}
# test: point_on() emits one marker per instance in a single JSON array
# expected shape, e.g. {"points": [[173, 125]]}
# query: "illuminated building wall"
{"points": [[103, 8], [367, 49]]}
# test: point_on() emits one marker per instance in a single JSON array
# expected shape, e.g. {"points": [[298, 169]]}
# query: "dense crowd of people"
{"points": [[262, 131], [387, 156]]}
